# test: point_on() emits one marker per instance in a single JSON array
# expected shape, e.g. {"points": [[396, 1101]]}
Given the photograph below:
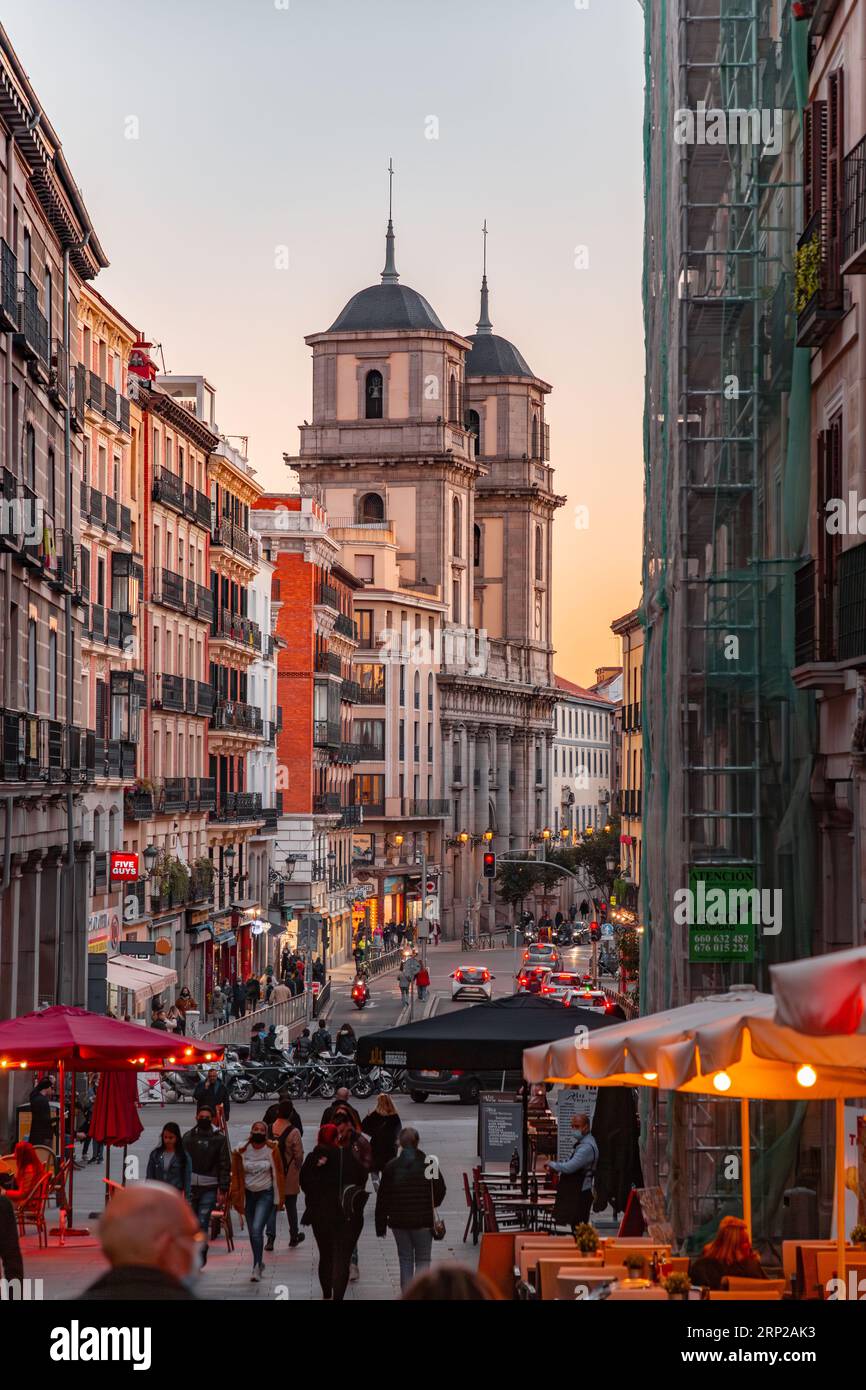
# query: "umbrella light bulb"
{"points": [[650, 1076], [187, 1052], [806, 1075], [142, 1060], [722, 1081], [23, 1066], [172, 1059]]}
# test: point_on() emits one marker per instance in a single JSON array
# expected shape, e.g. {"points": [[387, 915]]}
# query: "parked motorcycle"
{"points": [[180, 1085]]}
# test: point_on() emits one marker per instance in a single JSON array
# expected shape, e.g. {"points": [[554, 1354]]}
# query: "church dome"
{"points": [[385, 306], [495, 356]]}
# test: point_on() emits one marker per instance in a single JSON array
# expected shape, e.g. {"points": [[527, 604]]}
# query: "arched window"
{"points": [[371, 507], [452, 399], [476, 545], [417, 690], [539, 554], [456, 527], [30, 455], [430, 692], [534, 437], [473, 424], [373, 394]]}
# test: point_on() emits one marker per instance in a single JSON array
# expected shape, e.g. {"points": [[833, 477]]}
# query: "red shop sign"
{"points": [[124, 866]]}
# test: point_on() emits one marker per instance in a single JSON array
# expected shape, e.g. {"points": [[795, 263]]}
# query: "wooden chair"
{"points": [[58, 1182], [472, 1222], [808, 1284], [32, 1210], [827, 1262], [745, 1295], [497, 1221], [529, 1253], [46, 1156], [549, 1268], [737, 1282], [679, 1264], [496, 1262]]}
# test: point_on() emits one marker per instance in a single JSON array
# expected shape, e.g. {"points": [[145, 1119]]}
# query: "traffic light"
{"points": [[594, 931], [602, 909], [489, 864]]}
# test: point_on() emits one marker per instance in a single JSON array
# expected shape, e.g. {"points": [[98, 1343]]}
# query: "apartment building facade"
{"points": [[627, 797], [312, 601], [580, 761]]}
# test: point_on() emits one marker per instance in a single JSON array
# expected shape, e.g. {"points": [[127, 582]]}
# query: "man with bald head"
{"points": [[576, 1176], [151, 1239]]}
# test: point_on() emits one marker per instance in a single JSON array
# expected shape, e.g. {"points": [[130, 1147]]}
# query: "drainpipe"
{"points": [[10, 433], [8, 803]]}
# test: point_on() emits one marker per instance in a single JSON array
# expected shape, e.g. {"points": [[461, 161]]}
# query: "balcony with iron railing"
{"points": [[9, 307], [327, 595], [370, 752], [168, 589], [168, 692], [346, 627], [33, 326], [233, 716], [329, 663], [371, 696], [79, 399], [326, 733], [206, 793], [94, 390], [351, 814], [167, 488], [205, 698], [234, 627], [347, 753], [854, 212], [238, 806], [228, 535], [33, 749], [426, 809], [174, 795], [58, 377], [351, 692], [821, 296], [138, 804], [327, 804]]}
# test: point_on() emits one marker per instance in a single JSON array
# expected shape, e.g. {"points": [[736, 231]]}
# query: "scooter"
{"points": [[360, 994]]}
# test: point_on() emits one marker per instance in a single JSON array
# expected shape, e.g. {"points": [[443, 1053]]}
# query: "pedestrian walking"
{"points": [[576, 1175], [218, 1005], [239, 1000], [210, 1167], [340, 1102], [332, 1181], [350, 1138], [185, 1001], [253, 992], [281, 993], [381, 1126], [151, 1241], [410, 1191], [303, 1046], [176, 1020], [213, 1093], [41, 1131], [168, 1162], [286, 1130], [422, 980], [321, 1040], [346, 1044], [257, 1188], [436, 932], [404, 980]]}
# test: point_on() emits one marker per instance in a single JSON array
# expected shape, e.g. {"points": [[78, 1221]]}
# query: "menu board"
{"points": [[572, 1100], [500, 1126]]}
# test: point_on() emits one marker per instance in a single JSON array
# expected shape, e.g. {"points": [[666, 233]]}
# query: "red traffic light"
{"points": [[489, 869]]}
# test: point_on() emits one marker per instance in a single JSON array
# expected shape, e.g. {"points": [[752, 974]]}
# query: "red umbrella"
{"points": [[115, 1110], [82, 1041], [91, 1042]]}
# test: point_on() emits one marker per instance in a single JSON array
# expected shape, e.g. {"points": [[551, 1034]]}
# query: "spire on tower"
{"points": [[484, 325], [389, 274]]}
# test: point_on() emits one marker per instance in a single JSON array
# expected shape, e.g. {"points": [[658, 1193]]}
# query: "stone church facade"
{"points": [[429, 450]]}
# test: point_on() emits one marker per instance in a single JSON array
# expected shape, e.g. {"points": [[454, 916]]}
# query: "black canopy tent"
{"points": [[488, 1037], [491, 1037]]}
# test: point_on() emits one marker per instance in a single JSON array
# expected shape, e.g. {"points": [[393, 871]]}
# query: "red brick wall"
{"points": [[295, 626]]}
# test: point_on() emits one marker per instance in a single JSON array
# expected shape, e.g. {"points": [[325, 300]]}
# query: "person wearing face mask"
{"points": [[210, 1167], [151, 1240], [257, 1187], [574, 1192]]}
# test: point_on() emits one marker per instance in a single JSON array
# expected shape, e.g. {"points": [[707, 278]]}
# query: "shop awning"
{"points": [[141, 976]]}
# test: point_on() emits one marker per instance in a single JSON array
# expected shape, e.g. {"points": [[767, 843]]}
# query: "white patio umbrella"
{"points": [[727, 1045]]}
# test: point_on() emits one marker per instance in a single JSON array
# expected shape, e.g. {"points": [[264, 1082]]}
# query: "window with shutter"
{"points": [[829, 548], [835, 171], [101, 721]]}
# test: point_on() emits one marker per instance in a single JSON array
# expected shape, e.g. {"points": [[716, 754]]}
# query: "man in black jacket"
{"points": [[210, 1166], [40, 1112], [321, 1040], [150, 1238], [411, 1189], [11, 1263], [212, 1092]]}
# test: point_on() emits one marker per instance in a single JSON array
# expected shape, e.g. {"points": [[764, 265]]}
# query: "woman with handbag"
{"points": [[411, 1189], [257, 1186], [333, 1181]]}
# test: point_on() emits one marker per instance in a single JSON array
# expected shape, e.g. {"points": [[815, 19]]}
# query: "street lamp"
{"points": [[564, 833], [151, 854], [487, 836], [332, 859], [545, 834], [610, 863], [398, 840]]}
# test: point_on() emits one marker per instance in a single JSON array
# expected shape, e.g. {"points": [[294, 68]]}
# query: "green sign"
{"points": [[721, 913]]}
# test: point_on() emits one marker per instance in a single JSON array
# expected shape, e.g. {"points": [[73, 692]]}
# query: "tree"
{"points": [[515, 882]]}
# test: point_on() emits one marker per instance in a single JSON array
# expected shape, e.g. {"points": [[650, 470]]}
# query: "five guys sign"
{"points": [[124, 866]]}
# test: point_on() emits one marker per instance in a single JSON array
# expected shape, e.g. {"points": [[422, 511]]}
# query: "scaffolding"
{"points": [[727, 738]]}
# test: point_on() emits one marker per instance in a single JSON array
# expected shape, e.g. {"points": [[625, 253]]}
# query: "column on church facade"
{"points": [[448, 768], [522, 809], [482, 796], [472, 765], [503, 790], [466, 777]]}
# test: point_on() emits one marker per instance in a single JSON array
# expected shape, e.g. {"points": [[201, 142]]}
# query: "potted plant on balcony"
{"points": [[172, 879], [858, 1237], [202, 878]]}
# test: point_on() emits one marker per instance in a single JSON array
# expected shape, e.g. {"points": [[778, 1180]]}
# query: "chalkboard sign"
{"points": [[500, 1126]]}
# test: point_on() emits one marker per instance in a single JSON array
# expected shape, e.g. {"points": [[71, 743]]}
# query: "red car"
{"points": [[529, 979]]}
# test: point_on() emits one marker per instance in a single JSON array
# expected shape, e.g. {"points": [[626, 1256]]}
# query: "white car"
{"points": [[557, 983], [472, 980], [587, 998]]}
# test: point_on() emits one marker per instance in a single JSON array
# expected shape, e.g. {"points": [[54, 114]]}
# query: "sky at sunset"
{"points": [[259, 125]]}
